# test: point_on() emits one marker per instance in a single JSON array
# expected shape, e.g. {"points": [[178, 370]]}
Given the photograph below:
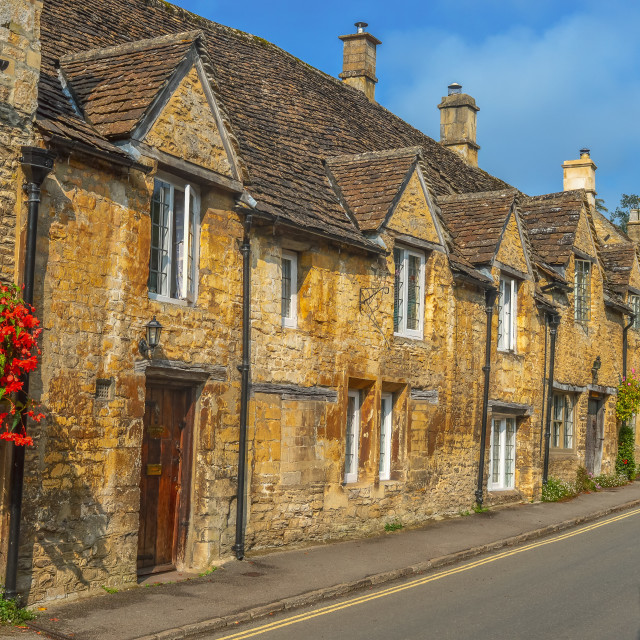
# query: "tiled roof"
{"points": [[551, 222], [115, 86], [370, 183], [287, 116], [618, 261], [477, 220]]}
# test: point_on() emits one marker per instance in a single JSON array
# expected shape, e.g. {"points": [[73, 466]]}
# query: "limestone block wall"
{"points": [[81, 510]]}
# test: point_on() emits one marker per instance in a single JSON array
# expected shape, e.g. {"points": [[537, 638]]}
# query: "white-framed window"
{"points": [[503, 454], [352, 433], [386, 426], [408, 304], [507, 314], [582, 291], [175, 233], [562, 421], [289, 289], [634, 301]]}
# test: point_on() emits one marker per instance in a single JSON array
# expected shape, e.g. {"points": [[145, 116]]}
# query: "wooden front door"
{"points": [[594, 436], [164, 477]]}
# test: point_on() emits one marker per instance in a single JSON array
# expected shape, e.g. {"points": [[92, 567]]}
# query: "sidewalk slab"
{"points": [[262, 584]]}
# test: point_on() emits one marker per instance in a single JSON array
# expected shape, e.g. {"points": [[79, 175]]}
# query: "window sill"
{"points": [[182, 303], [408, 336], [503, 490], [562, 453]]}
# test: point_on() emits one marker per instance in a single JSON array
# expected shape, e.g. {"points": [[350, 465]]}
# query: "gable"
{"points": [[510, 250], [583, 240], [187, 128], [412, 215]]}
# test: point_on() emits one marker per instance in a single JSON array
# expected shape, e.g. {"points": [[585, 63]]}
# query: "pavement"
{"points": [[264, 584]]}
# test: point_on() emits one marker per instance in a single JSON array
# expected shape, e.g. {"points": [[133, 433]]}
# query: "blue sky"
{"points": [[549, 77]]}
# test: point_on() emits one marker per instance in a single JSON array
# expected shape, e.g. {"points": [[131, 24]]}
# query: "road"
{"points": [[580, 585]]}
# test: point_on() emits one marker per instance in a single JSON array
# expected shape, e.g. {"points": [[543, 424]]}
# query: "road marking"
{"points": [[249, 633]]}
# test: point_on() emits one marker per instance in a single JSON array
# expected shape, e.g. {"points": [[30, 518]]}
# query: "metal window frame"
{"points": [[402, 329], [386, 431], [290, 321], [507, 340], [582, 295], [501, 446], [352, 476]]}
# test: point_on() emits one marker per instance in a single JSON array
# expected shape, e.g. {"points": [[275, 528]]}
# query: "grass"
{"points": [[11, 612], [208, 572], [109, 589], [394, 525], [478, 508]]}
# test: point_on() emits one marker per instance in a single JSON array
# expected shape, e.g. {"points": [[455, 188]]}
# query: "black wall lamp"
{"points": [[148, 346]]}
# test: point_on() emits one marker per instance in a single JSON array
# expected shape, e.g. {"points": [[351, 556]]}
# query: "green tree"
{"points": [[621, 215], [600, 206]]}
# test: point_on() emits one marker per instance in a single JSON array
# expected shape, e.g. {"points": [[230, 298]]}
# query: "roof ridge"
{"points": [[130, 47], [558, 194], [478, 195], [398, 152]]}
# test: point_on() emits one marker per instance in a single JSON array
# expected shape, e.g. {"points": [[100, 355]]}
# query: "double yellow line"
{"points": [[249, 633]]}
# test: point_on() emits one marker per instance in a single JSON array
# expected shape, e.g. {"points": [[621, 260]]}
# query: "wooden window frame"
{"points": [[498, 478], [401, 259], [386, 432], [563, 422], [508, 314], [289, 319], [582, 289], [163, 223], [352, 437]]}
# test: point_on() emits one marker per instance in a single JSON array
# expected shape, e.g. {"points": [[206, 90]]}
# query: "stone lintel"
{"points": [[571, 388], [417, 242], [180, 371], [425, 395], [512, 408], [512, 271], [295, 392], [599, 388], [188, 170]]}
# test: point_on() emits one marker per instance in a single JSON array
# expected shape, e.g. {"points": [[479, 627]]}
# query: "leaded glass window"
{"points": [[408, 302], [582, 291], [503, 454]]}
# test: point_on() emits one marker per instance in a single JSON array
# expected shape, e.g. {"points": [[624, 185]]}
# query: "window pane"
{"points": [[509, 454], [413, 293], [286, 288], [495, 456], [568, 423], [191, 266], [398, 289], [159, 254], [582, 290], [178, 243]]}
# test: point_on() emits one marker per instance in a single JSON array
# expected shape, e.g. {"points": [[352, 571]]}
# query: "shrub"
{"points": [[11, 612], [625, 462], [556, 490]]}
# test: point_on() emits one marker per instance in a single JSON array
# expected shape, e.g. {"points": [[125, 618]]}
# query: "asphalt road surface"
{"points": [[582, 584]]}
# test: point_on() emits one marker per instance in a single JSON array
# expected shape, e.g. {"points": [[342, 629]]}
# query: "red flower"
{"points": [[625, 461]]}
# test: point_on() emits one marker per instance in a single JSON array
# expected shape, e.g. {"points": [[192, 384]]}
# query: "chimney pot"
{"points": [[584, 152], [454, 88], [360, 27]]}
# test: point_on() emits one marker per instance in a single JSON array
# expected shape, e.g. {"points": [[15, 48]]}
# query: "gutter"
{"points": [[490, 295], [554, 321], [244, 368]]}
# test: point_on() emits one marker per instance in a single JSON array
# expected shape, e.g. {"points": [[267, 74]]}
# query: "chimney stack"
{"points": [[633, 226], [458, 124], [581, 174], [359, 61]]}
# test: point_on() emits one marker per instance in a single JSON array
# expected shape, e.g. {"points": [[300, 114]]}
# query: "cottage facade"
{"points": [[401, 301]]}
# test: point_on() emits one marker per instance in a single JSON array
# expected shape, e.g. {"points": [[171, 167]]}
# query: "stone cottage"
{"points": [[359, 325]]}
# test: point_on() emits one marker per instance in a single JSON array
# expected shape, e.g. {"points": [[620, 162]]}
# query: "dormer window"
{"points": [[408, 308], [582, 299], [634, 301], [174, 240], [507, 314]]}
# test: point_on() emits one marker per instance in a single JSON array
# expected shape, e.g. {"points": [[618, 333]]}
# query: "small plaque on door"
{"points": [[154, 469], [155, 430]]}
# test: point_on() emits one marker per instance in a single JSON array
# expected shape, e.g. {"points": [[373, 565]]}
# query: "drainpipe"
{"points": [[554, 321], [625, 343], [245, 248], [490, 296], [36, 164]]}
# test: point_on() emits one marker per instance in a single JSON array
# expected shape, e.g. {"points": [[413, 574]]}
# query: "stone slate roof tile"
{"points": [[551, 221], [370, 183], [477, 220], [114, 86], [287, 116], [618, 260]]}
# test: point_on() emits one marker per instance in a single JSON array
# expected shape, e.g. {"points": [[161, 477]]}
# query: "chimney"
{"points": [[633, 226], [359, 61], [458, 124], [581, 174]]}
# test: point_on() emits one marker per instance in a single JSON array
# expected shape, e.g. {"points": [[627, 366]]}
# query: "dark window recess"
{"points": [[103, 388]]}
